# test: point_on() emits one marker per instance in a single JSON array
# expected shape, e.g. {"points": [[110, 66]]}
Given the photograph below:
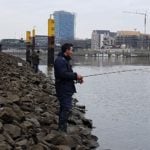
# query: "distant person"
{"points": [[35, 60], [28, 56], [64, 84]]}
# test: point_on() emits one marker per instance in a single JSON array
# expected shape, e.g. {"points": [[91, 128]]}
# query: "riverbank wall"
{"points": [[91, 53], [29, 112]]}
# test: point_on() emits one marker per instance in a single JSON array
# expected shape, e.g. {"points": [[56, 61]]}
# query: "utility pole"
{"points": [[139, 13]]}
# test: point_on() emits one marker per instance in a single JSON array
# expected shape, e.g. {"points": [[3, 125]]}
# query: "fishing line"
{"points": [[113, 72]]}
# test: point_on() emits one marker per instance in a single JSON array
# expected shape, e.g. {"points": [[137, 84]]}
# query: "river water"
{"points": [[118, 103]]}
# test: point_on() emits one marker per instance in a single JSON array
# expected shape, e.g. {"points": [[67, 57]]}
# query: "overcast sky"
{"points": [[18, 16]]}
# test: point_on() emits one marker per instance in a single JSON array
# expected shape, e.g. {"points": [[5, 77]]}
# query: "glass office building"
{"points": [[64, 26]]}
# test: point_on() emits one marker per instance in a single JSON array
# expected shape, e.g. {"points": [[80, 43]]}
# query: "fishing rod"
{"points": [[113, 72], [105, 73]]}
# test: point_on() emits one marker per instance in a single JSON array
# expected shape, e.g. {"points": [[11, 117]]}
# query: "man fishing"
{"points": [[64, 83]]}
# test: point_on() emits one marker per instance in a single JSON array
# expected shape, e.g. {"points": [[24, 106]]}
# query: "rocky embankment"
{"points": [[29, 112]]}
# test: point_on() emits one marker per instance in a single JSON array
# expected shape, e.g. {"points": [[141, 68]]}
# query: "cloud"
{"points": [[18, 16]]}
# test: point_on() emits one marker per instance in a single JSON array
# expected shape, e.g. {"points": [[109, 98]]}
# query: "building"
{"points": [[12, 43], [102, 39], [64, 26], [133, 39], [78, 44], [41, 41]]}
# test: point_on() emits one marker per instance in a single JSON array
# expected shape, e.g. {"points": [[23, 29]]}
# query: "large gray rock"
{"points": [[37, 147], [22, 143], [13, 130], [34, 121], [63, 147], [5, 146], [7, 114], [2, 138], [1, 127]]}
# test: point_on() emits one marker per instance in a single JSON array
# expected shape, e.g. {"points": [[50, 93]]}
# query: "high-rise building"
{"points": [[64, 26]]}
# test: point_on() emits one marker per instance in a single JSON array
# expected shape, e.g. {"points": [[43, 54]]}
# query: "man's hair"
{"points": [[66, 46]]}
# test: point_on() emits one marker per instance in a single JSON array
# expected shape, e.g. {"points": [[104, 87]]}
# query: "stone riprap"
{"points": [[29, 112]]}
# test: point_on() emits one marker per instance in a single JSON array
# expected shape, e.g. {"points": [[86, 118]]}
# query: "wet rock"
{"points": [[46, 121], [95, 138], [37, 147], [13, 130], [8, 138], [27, 125], [22, 143], [7, 114], [34, 121], [3, 101], [93, 144], [5, 146], [81, 148], [13, 97], [39, 110], [54, 126], [87, 122], [63, 147], [20, 114], [2, 138], [63, 139], [1, 127]]}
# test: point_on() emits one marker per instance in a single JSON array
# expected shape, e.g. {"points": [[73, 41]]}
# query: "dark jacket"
{"points": [[35, 58], [64, 76]]}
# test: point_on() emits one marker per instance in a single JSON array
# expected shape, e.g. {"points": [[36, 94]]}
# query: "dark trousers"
{"points": [[63, 119], [36, 67], [64, 112]]}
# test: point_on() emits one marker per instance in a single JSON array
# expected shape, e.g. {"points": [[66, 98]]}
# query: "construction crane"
{"points": [[140, 13]]}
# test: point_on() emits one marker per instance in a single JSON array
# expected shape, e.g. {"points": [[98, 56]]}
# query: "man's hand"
{"points": [[79, 79]]}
